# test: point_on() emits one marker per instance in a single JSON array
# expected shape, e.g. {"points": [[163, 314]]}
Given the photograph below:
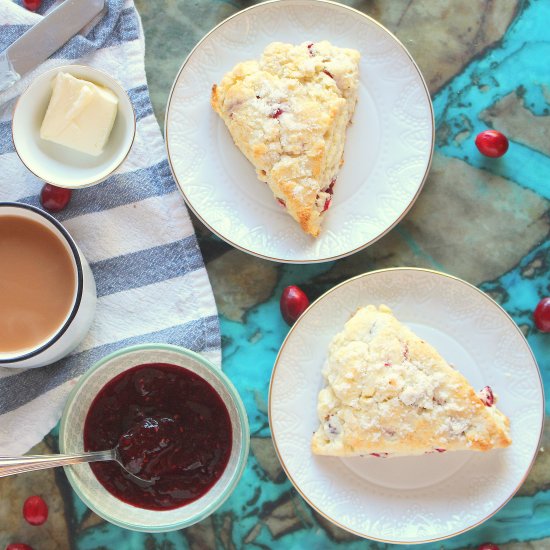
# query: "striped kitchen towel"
{"points": [[133, 228]]}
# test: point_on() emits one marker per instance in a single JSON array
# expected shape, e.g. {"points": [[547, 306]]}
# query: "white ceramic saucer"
{"points": [[388, 149], [410, 499]]}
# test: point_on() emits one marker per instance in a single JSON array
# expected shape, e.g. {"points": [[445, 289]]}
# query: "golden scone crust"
{"points": [[288, 114], [390, 393]]}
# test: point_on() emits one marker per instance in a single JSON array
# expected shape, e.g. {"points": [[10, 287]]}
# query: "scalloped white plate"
{"points": [[388, 148], [410, 499]]}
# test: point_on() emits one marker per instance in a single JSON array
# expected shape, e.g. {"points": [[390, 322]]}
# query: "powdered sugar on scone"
{"points": [[288, 114], [391, 393]]}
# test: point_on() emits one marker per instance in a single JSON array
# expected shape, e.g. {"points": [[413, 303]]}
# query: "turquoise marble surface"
{"points": [[481, 219]]}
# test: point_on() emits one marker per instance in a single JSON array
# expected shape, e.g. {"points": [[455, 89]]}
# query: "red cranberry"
{"points": [[488, 546], [439, 450], [54, 198], [379, 455], [542, 315], [277, 113], [35, 510], [328, 74], [32, 5], [293, 303], [486, 395], [281, 202], [309, 47], [492, 143], [330, 191], [18, 546]]}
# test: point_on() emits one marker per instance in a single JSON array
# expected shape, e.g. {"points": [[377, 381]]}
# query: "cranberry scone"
{"points": [[389, 393], [288, 114]]}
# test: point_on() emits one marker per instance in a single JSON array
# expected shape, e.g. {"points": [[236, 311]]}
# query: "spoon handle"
{"points": [[11, 465]]}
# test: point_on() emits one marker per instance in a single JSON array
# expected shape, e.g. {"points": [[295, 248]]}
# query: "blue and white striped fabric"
{"points": [[133, 228]]}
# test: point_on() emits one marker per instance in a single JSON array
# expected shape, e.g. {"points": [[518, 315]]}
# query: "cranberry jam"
{"points": [[171, 428]]}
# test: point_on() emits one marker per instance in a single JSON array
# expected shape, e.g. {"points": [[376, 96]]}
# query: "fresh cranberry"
{"points": [[542, 315], [54, 198], [492, 143], [18, 546], [277, 113], [293, 303], [35, 510], [488, 546], [32, 5], [330, 188], [328, 74], [486, 395]]}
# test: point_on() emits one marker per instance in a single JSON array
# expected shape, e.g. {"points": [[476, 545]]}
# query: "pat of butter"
{"points": [[80, 114]]}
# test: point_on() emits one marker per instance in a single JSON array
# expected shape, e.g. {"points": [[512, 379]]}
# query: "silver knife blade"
{"points": [[46, 37]]}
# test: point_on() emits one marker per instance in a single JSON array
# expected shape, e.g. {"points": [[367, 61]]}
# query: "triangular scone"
{"points": [[288, 114], [390, 393]]}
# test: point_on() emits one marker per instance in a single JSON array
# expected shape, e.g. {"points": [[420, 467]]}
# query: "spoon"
{"points": [[11, 465], [138, 449]]}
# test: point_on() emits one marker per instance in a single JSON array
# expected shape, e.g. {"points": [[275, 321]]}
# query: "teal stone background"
{"points": [[485, 220]]}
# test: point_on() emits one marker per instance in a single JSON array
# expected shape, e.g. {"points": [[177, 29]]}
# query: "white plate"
{"points": [[388, 149], [410, 499]]}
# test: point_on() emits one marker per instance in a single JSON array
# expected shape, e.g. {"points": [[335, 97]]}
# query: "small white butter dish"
{"points": [[58, 164]]}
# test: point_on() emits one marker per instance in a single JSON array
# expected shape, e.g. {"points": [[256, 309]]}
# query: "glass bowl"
{"points": [[83, 480]]}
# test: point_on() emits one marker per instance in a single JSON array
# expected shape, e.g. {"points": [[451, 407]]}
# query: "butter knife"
{"points": [[46, 37]]}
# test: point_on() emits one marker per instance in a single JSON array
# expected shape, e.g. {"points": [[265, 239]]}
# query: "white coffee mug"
{"points": [[77, 322]]}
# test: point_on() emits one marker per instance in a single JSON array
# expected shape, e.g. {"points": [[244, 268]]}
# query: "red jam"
{"points": [[171, 428], [147, 449]]}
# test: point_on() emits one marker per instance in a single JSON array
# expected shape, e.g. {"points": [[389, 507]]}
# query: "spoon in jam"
{"points": [[144, 452]]}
